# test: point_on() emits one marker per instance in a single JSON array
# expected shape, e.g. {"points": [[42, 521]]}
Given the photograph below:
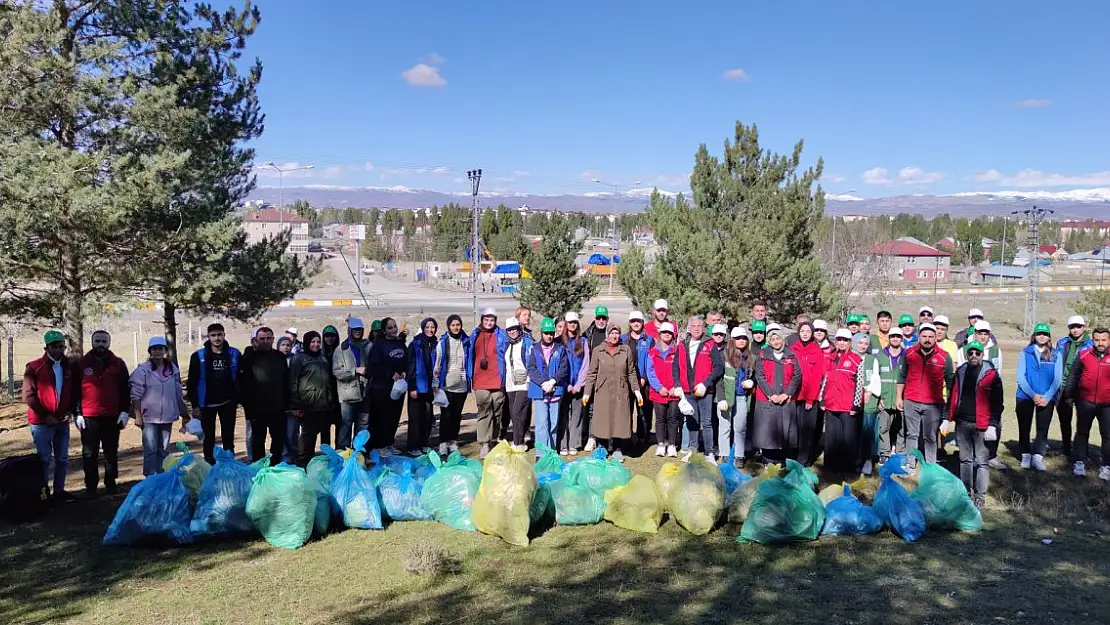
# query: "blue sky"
{"points": [[897, 97]]}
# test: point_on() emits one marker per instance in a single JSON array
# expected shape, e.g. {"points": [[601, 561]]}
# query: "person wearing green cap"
{"points": [[548, 377], [375, 330], [759, 334], [49, 391], [975, 411], [595, 336], [1040, 374], [852, 321], [909, 330]]}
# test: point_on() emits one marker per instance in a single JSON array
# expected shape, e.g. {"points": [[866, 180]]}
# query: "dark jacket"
{"points": [[387, 357], [311, 386], [208, 386], [595, 336], [985, 408], [264, 382]]}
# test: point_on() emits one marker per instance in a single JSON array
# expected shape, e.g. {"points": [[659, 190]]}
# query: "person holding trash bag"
{"points": [[516, 382], [103, 398], [842, 397], [1040, 374], [349, 368], [664, 391], [156, 403], [388, 365], [698, 368], [422, 351], [1089, 384], [975, 406], [612, 380], [924, 373], [451, 374], [311, 400], [548, 377], [778, 376], [264, 386]]}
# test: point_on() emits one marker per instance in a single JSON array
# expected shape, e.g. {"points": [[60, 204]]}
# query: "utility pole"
{"points": [[1034, 216], [281, 190], [475, 176], [1005, 222]]}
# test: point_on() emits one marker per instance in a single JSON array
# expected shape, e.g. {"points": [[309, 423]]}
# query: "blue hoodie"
{"points": [[1036, 376]]}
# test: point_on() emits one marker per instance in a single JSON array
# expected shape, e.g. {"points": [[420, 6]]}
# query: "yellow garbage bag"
{"points": [[693, 492], [636, 506], [195, 469], [831, 492], [505, 495], [741, 499]]}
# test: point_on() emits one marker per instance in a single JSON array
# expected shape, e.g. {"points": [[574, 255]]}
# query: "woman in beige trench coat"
{"points": [[611, 384]]}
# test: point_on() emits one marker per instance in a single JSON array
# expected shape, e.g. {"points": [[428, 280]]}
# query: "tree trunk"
{"points": [[169, 320], [73, 304]]}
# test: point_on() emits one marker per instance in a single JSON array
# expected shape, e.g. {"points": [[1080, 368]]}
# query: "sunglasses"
{"points": [[926, 314], [974, 352], [838, 340], [602, 318], [1076, 327]]}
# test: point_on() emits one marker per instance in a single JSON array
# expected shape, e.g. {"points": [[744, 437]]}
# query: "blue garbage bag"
{"points": [[420, 466], [325, 467], [848, 516], [576, 504], [734, 478], [900, 512], [400, 495], [157, 511], [354, 494], [222, 501]]}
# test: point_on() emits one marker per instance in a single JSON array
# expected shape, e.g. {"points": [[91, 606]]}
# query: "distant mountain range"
{"points": [[1074, 204]]}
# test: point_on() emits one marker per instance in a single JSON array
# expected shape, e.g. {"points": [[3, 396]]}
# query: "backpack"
{"points": [[23, 493]]}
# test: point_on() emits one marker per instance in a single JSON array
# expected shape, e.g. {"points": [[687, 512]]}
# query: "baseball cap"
{"points": [[1042, 328], [719, 328], [740, 332], [53, 336], [982, 326], [821, 324], [773, 327], [975, 312], [1076, 320], [601, 311], [844, 333], [852, 318], [489, 312], [927, 326], [570, 316], [330, 330], [547, 325], [354, 323], [635, 315], [905, 320], [376, 325], [292, 331], [941, 320], [759, 325], [157, 341], [666, 327], [925, 309], [513, 322], [973, 345], [660, 304]]}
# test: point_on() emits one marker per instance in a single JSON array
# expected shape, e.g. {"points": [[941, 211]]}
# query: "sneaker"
{"points": [[452, 447], [1104, 473], [619, 457], [63, 496], [443, 449], [867, 467], [564, 452], [660, 450], [520, 448], [1079, 469], [572, 452], [485, 452], [997, 464], [591, 445], [671, 451], [1038, 462], [1026, 461], [711, 458]]}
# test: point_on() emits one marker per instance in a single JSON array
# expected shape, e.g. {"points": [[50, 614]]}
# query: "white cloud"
{"points": [[843, 198], [299, 170], [1033, 103], [672, 180], [875, 175], [832, 178], [368, 166], [590, 174], [441, 171], [988, 175], [736, 75], [424, 75], [916, 175], [333, 172], [434, 59], [1029, 178]]}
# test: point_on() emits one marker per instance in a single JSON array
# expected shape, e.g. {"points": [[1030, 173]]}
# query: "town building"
{"points": [[1068, 227], [269, 223], [910, 261]]}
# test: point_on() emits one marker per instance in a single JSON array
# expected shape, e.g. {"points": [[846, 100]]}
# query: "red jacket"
{"points": [[664, 370], [104, 386], [767, 367], [813, 363], [43, 401], [708, 367], [1089, 379], [924, 376], [652, 330], [988, 396], [840, 382]]}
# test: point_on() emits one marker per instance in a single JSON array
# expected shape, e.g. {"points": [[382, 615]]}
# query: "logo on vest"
{"points": [[88, 371]]}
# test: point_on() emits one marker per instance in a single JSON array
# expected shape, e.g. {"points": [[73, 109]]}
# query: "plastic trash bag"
{"points": [[784, 510], [194, 428], [597, 472], [360, 457], [797, 473], [734, 478], [439, 398], [636, 506], [848, 516], [548, 462], [400, 495], [353, 493], [505, 495], [740, 501], [576, 504], [282, 505], [260, 464], [831, 493], [900, 512], [195, 468], [324, 467], [400, 387], [945, 499], [321, 515], [157, 511], [448, 495], [685, 407], [542, 504], [693, 492], [421, 466], [222, 503]]}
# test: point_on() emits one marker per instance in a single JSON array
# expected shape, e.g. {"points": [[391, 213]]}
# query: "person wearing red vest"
{"points": [[812, 360], [659, 318], [664, 391], [698, 368], [842, 397], [975, 410], [48, 392], [1089, 384], [103, 395], [778, 376], [923, 375]]}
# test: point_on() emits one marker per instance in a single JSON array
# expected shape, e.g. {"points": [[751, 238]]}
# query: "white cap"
{"points": [[975, 312], [635, 315], [844, 333], [354, 323], [941, 320], [773, 327], [513, 322], [982, 326], [660, 304], [925, 309], [926, 326], [157, 341], [1076, 320], [292, 331], [719, 328], [666, 327], [740, 332], [489, 312], [821, 324], [571, 316]]}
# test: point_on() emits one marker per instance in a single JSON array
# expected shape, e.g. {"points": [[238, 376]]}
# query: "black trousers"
{"points": [[642, 415], [1064, 412], [313, 425], [1026, 412], [520, 411], [226, 413], [450, 417], [842, 441], [1087, 415], [668, 423], [274, 423], [385, 417], [100, 432], [421, 419], [809, 433]]}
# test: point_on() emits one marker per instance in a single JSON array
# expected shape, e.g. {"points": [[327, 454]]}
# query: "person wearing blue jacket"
{"points": [[548, 378], [640, 342], [388, 362], [486, 370], [1040, 373], [451, 375], [421, 365]]}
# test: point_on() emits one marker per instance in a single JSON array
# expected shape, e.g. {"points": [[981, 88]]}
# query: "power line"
{"points": [[1035, 216]]}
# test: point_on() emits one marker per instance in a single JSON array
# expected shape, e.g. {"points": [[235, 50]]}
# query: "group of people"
{"points": [[855, 396]]}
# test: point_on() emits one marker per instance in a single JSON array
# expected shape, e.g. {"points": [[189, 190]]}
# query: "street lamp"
{"points": [[612, 224], [281, 188]]}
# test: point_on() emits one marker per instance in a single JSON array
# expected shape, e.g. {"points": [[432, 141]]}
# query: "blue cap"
{"points": [[354, 323], [157, 341]]}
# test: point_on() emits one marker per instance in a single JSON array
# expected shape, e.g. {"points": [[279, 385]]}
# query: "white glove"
{"points": [[123, 417], [80, 422], [699, 390], [747, 384], [722, 406], [991, 434], [945, 427], [548, 386]]}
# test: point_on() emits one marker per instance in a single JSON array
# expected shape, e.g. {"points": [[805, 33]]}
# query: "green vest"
{"points": [[887, 377], [876, 346]]}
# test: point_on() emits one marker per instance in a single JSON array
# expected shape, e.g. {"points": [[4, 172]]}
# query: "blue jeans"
{"points": [[352, 417], [156, 446], [292, 438], [546, 417], [732, 428], [52, 445], [701, 422]]}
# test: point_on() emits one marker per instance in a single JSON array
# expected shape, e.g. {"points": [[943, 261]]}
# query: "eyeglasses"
{"points": [[975, 318], [839, 339], [718, 334], [974, 352]]}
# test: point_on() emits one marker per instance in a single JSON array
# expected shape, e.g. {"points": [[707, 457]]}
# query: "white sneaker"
{"points": [[1026, 461], [660, 450], [867, 467], [572, 452], [564, 452], [591, 445], [1038, 462], [485, 452], [672, 452], [453, 446], [711, 458], [443, 449], [520, 448], [1104, 473], [998, 465], [1079, 469], [619, 456]]}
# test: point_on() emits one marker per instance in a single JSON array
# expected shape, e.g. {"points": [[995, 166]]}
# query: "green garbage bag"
{"points": [[576, 504], [548, 460], [783, 510], [542, 504], [693, 492], [740, 500], [448, 494], [597, 471], [282, 505], [945, 499], [797, 473]]}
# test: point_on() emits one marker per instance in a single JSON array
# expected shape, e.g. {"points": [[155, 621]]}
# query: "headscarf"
{"points": [[308, 336], [435, 324], [856, 338], [450, 319], [284, 339]]}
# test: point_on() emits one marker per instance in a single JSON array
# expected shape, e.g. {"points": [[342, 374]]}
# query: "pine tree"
{"points": [[556, 287]]}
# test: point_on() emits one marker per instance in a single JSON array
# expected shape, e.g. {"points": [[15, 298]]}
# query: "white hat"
{"points": [[941, 320], [660, 304], [489, 312], [666, 327], [843, 333], [157, 341], [926, 326], [513, 322], [925, 309], [975, 312], [774, 327], [821, 324], [635, 315], [982, 326], [571, 316], [354, 323], [719, 328], [740, 332], [1076, 320], [292, 331]]}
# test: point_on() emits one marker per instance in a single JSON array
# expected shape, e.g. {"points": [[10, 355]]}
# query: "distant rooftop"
{"points": [[906, 246], [274, 216]]}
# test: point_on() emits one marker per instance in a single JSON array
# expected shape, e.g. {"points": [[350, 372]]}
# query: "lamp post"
{"points": [[475, 177], [281, 188], [612, 219]]}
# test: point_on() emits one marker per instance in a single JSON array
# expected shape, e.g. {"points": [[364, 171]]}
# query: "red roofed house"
{"points": [[947, 243], [269, 222], [1100, 227], [914, 262]]}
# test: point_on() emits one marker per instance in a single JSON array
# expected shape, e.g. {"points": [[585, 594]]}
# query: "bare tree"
{"points": [[855, 271]]}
